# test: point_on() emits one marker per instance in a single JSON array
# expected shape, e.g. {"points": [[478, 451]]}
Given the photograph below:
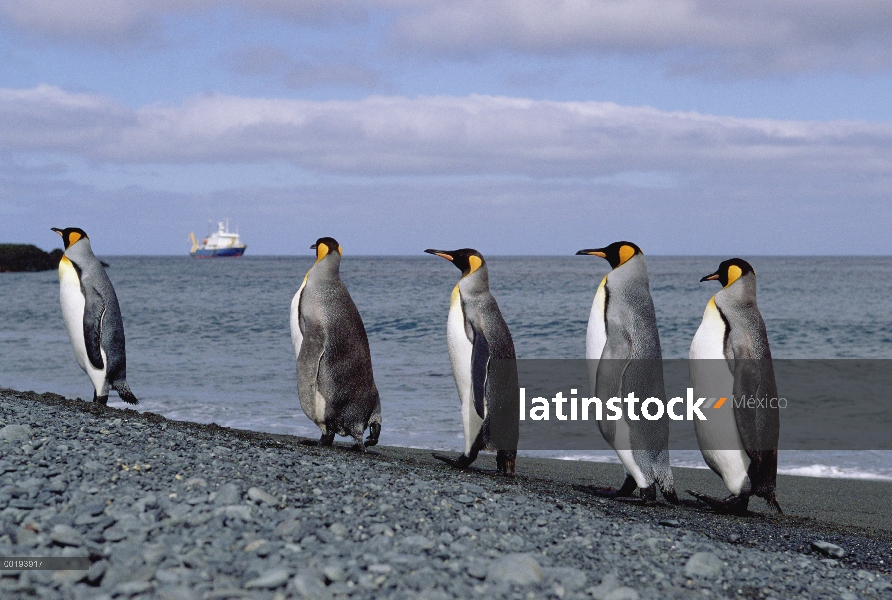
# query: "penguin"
{"points": [[92, 317], [622, 337], [730, 358], [483, 363], [334, 365]]}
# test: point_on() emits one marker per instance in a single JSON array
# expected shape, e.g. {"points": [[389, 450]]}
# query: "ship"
{"points": [[219, 244]]}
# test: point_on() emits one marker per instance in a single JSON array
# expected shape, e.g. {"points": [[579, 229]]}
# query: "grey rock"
{"points": [[269, 580], [609, 583], [474, 489], [228, 494], [520, 569], [419, 542], [65, 535], [622, 593], [828, 549], [259, 495], [132, 588], [309, 586], [570, 578], [15, 433], [334, 571], [237, 511], [670, 523], [704, 564]]}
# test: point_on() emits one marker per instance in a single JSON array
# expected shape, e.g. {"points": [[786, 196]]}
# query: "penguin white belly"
{"points": [[596, 333], [460, 350], [73, 303], [297, 337], [718, 436]]}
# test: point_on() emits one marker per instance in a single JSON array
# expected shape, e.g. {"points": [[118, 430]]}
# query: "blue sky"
{"points": [[515, 127]]}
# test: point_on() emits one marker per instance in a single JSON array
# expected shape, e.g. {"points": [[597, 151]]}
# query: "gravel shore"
{"points": [[176, 510]]}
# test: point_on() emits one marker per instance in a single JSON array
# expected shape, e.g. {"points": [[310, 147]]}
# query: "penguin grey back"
{"points": [[334, 359], [749, 358]]}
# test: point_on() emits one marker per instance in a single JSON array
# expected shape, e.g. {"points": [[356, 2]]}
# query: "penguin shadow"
{"points": [[340, 447]]}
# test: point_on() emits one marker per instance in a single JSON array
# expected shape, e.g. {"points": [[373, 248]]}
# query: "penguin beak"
{"points": [[313, 247], [441, 253], [712, 277], [57, 230], [593, 252]]}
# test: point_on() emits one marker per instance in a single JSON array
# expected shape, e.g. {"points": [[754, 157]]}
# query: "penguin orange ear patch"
{"points": [[475, 262], [73, 237], [321, 251], [734, 273], [625, 253]]}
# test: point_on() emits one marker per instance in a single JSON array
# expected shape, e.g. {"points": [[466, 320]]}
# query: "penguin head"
{"points": [[730, 271], [325, 246], [617, 253], [70, 235], [467, 260]]}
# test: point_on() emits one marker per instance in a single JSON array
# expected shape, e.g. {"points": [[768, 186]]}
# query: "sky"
{"points": [[511, 126]]}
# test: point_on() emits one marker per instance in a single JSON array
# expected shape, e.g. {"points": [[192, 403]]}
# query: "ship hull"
{"points": [[219, 253]]}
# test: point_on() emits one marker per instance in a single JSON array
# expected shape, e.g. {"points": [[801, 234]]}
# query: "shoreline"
{"points": [[463, 521]]}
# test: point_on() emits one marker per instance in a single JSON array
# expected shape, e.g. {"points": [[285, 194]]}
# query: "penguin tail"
{"points": [[124, 392], [772, 502]]}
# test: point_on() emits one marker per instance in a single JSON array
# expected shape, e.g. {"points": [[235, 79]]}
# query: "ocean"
{"points": [[209, 340]]}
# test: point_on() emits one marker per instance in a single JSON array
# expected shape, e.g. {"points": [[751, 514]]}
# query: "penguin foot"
{"points": [[358, 447], [374, 433], [625, 492], [732, 505], [462, 462], [103, 400], [327, 439], [505, 462], [772, 502], [671, 497]]}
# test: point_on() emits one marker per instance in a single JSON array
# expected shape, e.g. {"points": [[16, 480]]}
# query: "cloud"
{"points": [[435, 136], [116, 22], [752, 37]]}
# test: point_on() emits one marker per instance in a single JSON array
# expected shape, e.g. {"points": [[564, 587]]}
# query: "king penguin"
{"points": [[92, 317], [483, 363], [730, 358], [622, 337], [334, 365]]}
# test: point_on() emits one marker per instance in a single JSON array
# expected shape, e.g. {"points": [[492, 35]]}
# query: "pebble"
{"points": [[66, 536], [258, 495], [704, 564], [216, 516], [828, 549], [228, 493], [15, 433], [670, 523], [520, 569], [270, 580]]}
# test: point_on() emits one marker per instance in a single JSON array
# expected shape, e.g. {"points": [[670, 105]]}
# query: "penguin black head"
{"points": [[70, 235], [616, 253], [467, 260], [324, 246], [730, 271]]}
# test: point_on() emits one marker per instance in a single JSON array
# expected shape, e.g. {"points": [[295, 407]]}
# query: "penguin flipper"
{"points": [[94, 310], [479, 368]]}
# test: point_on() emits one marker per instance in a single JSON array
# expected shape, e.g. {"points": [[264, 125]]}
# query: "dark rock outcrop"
{"points": [[25, 257]]}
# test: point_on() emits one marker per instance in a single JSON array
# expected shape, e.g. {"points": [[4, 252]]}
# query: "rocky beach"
{"points": [[178, 510]]}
